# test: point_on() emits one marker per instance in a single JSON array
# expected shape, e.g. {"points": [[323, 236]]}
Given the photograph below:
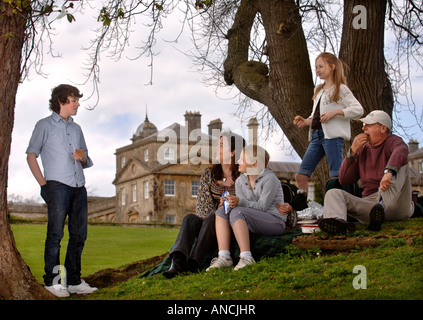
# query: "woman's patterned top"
{"points": [[209, 193]]}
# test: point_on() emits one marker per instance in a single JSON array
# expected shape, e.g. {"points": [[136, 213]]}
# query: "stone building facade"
{"points": [[158, 174], [415, 161]]}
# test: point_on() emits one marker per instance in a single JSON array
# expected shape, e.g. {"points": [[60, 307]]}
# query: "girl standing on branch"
{"points": [[333, 108]]}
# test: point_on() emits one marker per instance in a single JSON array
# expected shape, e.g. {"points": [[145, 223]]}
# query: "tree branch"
{"points": [[250, 77]]}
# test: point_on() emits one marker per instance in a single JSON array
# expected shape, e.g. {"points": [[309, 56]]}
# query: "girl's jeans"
{"points": [[318, 148]]}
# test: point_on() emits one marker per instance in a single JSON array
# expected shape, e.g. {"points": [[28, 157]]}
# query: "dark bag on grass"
{"points": [[289, 192], [353, 189], [418, 204]]}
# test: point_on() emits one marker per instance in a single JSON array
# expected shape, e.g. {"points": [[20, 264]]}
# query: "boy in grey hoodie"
{"points": [[254, 209]]}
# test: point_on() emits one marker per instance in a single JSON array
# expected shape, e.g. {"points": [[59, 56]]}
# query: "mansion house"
{"points": [[158, 174]]}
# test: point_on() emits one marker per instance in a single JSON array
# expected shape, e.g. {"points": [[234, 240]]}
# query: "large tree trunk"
{"points": [[290, 78], [16, 280], [287, 88], [363, 52]]}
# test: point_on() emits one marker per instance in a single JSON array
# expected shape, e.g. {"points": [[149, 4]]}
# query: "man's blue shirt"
{"points": [[56, 140]]}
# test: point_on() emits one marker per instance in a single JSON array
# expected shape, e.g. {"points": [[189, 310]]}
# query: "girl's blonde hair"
{"points": [[338, 74], [254, 153]]}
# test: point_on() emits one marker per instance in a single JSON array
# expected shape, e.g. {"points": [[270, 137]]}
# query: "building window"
{"points": [[194, 187], [122, 161], [170, 219], [145, 154], [134, 193], [145, 183], [169, 153], [122, 196], [421, 167], [169, 187]]}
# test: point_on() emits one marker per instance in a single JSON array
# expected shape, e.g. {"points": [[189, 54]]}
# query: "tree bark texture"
{"points": [[287, 88], [363, 52], [16, 280]]}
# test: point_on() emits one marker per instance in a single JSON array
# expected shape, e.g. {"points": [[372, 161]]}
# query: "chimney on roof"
{"points": [[253, 131], [193, 119], [215, 125], [413, 145]]}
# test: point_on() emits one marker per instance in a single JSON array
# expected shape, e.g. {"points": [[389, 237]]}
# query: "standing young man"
{"points": [[61, 144]]}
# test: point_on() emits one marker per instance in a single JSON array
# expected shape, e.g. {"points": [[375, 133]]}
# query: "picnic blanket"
{"points": [[261, 247]]}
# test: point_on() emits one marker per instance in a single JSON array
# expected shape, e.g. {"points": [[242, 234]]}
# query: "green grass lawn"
{"points": [[393, 268], [392, 272], [106, 246]]}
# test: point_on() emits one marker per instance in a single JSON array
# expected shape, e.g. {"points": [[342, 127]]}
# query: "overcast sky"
{"points": [[177, 87]]}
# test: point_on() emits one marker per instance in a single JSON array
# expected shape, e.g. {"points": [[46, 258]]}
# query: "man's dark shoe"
{"points": [[377, 217], [300, 201], [336, 226], [178, 265]]}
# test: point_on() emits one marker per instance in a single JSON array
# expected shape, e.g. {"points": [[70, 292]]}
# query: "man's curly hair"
{"points": [[60, 94]]}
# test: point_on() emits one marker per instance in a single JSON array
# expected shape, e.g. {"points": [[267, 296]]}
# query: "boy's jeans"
{"points": [[63, 201]]}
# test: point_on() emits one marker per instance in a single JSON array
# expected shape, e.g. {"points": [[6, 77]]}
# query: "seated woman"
{"points": [[201, 225], [254, 208]]}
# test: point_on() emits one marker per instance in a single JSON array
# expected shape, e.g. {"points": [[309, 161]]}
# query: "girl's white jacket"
{"points": [[338, 127]]}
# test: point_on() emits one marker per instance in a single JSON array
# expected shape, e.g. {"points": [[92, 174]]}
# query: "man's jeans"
{"points": [[64, 201]]}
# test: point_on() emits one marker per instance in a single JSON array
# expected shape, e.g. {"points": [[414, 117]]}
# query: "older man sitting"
{"points": [[380, 160]]}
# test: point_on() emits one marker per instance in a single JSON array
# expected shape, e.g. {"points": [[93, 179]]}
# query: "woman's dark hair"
{"points": [[237, 143], [60, 94]]}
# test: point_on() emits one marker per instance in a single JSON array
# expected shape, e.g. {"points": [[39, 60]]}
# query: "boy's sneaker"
{"points": [[377, 217], [244, 262], [336, 226], [82, 288], [220, 262], [58, 290]]}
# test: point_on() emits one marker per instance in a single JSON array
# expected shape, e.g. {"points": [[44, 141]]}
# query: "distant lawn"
{"points": [[106, 246]]}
